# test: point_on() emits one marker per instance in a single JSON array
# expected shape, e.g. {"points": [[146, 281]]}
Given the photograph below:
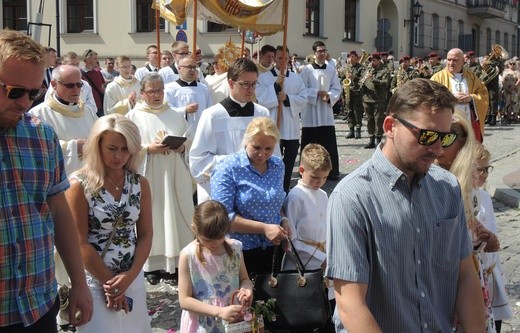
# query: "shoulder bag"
{"points": [[301, 295]]}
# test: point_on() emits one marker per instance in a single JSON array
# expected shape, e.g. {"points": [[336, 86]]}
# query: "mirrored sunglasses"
{"points": [[429, 137], [13, 92]]}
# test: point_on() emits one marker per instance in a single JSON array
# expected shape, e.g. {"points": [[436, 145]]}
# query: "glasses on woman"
{"points": [[487, 169], [13, 92], [429, 137]]}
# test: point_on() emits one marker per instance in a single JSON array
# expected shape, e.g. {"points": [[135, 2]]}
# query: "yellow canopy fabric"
{"points": [[262, 16]]}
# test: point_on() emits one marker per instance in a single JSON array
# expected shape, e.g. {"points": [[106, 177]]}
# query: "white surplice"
{"points": [[170, 182], [117, 92], [218, 87], [319, 113], [295, 90], [71, 122], [178, 97], [218, 135]]}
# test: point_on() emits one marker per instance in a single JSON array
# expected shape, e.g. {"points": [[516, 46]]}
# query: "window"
{"points": [[513, 44], [488, 40], [350, 19], [419, 32], [145, 16], [435, 32], [15, 14], [449, 34], [506, 41], [80, 16], [497, 37], [312, 17]]}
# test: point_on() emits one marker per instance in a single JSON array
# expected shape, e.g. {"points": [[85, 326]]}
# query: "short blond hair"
{"points": [[264, 125], [316, 158], [14, 44], [120, 59]]}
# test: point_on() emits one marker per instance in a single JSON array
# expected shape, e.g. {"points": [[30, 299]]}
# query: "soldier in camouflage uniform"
{"points": [[435, 63], [473, 64], [402, 74], [355, 104], [375, 83]]}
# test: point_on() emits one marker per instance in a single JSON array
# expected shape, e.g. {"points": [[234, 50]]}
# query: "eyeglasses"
{"points": [[487, 169], [247, 85], [184, 54], [153, 92], [321, 51], [429, 137], [125, 67], [13, 92], [191, 68], [71, 85]]}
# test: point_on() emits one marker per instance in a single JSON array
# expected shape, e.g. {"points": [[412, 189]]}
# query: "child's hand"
{"points": [[231, 313], [245, 297]]}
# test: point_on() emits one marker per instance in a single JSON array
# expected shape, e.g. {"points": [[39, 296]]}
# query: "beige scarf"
{"points": [[74, 111]]}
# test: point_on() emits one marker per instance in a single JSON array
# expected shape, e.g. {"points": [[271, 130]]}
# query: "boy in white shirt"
{"points": [[305, 207]]}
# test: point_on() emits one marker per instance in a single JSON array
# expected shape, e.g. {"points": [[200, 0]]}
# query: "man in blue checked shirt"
{"points": [[34, 216]]}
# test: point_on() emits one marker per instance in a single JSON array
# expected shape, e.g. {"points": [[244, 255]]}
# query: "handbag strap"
{"points": [[294, 256]]}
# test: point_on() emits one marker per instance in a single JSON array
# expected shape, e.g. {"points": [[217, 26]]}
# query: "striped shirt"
{"points": [[405, 243], [31, 170]]}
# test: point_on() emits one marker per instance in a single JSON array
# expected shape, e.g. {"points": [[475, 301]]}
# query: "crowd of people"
{"points": [[182, 170]]}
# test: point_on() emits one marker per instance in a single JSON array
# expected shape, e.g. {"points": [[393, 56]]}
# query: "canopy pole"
{"points": [[285, 57], [194, 28], [158, 32], [243, 34]]}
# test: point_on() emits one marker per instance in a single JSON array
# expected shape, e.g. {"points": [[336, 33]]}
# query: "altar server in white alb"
{"points": [[70, 117], [169, 176], [323, 91], [170, 73], [293, 95], [121, 94], [221, 127], [186, 95]]}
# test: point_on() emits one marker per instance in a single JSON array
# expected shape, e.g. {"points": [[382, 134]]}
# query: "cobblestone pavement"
{"points": [[502, 142]]}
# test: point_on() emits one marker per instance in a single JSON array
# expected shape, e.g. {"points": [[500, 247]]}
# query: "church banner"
{"points": [[262, 16]]}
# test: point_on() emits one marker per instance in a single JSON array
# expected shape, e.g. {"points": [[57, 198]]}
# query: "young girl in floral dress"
{"points": [[211, 268]]}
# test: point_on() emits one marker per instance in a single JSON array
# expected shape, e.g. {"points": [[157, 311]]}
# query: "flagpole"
{"points": [[194, 28], [158, 31], [285, 57]]}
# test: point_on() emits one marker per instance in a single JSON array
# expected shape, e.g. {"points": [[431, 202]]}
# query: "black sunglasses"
{"points": [[71, 85], [429, 137], [18, 92]]}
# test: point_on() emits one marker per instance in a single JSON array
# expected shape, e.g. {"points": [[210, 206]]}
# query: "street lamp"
{"points": [[416, 12]]}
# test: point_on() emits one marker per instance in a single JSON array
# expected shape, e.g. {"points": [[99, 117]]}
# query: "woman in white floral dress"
{"points": [[111, 204]]}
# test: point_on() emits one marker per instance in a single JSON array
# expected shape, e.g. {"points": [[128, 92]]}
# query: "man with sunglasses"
{"points": [[398, 248], [70, 117], [34, 215], [221, 127], [180, 50], [186, 95]]}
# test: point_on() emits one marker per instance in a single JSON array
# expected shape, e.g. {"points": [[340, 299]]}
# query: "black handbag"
{"points": [[301, 295]]}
